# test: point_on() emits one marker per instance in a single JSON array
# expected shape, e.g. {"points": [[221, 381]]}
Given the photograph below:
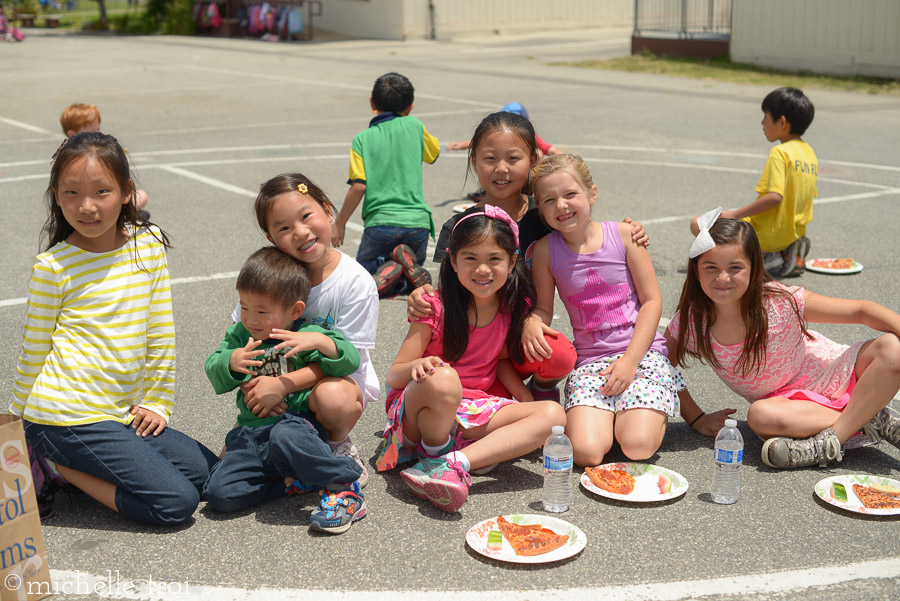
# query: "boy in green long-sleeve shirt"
{"points": [[274, 444]]}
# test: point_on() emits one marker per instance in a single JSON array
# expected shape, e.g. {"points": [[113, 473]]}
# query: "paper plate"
{"points": [[477, 537], [824, 491], [857, 267], [463, 207], [646, 483]]}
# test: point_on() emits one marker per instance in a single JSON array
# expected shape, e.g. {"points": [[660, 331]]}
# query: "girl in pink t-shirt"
{"points": [[809, 394], [443, 412]]}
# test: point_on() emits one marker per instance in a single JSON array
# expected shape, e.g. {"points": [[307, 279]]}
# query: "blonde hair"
{"points": [[77, 116], [574, 164]]}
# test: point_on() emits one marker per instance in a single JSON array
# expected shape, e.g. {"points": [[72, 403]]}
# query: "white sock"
{"points": [[460, 457], [436, 450], [335, 444]]}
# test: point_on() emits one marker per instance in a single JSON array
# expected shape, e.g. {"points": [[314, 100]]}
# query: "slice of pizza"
{"points": [[873, 499], [531, 539], [834, 263], [615, 481]]}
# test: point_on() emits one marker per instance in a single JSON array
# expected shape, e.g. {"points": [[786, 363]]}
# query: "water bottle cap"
{"points": [[558, 429], [730, 423]]}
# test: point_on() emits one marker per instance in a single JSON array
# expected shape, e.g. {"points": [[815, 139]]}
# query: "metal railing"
{"points": [[682, 18]]}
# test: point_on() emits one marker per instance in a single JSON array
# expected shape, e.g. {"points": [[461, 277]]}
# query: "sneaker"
{"points": [[46, 483], [412, 271], [885, 425], [773, 263], [444, 483], [541, 394], [788, 453], [386, 277], [795, 257], [292, 486], [860, 440], [338, 510], [475, 197], [348, 449]]}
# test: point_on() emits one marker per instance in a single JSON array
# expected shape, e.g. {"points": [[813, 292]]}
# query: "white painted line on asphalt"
{"points": [[22, 178], [209, 181], [35, 129], [114, 585]]}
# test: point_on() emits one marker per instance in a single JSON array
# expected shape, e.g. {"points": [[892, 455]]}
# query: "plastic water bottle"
{"points": [[726, 480], [557, 494]]}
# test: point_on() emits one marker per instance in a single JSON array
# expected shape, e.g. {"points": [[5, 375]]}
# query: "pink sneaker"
{"points": [[444, 483]]}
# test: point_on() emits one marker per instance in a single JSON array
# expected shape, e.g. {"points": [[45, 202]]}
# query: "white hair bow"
{"points": [[704, 242]]}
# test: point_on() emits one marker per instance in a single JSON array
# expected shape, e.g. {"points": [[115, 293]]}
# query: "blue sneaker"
{"points": [[292, 486], [338, 510]]}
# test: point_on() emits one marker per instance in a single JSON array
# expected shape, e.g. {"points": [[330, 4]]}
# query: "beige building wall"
{"points": [[837, 37], [412, 19]]}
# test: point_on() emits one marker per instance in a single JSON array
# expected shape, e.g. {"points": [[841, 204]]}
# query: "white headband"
{"points": [[704, 242]]}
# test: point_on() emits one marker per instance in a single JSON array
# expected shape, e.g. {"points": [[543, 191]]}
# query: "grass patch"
{"points": [[722, 69]]}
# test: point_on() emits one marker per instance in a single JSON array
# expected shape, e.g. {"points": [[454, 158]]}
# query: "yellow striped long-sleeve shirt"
{"points": [[99, 335]]}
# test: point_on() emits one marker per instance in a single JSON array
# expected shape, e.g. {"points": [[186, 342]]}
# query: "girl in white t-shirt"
{"points": [[296, 216]]}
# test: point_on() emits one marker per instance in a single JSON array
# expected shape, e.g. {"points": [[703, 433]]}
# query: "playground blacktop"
{"points": [[207, 120]]}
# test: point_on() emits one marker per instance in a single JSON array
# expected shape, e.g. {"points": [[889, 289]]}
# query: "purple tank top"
{"points": [[599, 295]]}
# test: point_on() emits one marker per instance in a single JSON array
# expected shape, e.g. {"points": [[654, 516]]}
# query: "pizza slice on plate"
{"points": [[615, 481], [834, 263], [873, 499], [532, 539]]}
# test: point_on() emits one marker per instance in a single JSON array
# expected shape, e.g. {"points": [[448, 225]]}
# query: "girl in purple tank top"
{"points": [[623, 386]]}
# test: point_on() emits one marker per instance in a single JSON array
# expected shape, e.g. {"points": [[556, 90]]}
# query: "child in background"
{"points": [[786, 187], [501, 154], [544, 149], [96, 375], [439, 404], [808, 395], [623, 386], [386, 167], [296, 216], [264, 451], [79, 118]]}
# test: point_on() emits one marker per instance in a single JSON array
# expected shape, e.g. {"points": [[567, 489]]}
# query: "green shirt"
{"points": [[274, 364], [387, 157]]}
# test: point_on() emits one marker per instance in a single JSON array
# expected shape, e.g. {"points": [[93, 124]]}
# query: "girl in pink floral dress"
{"points": [[809, 394], [438, 407]]}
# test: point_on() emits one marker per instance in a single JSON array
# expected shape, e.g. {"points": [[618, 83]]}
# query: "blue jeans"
{"points": [[158, 478], [257, 461], [380, 240]]}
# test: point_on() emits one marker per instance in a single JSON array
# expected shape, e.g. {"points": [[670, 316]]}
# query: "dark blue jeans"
{"points": [[257, 461], [158, 478], [380, 240]]}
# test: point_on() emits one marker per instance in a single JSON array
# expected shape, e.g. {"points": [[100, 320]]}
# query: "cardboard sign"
{"points": [[24, 571]]}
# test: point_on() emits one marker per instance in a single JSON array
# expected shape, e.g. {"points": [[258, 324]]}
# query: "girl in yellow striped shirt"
{"points": [[96, 374]]}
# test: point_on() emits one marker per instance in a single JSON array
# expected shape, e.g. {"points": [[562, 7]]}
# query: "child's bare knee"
{"points": [[590, 456], [639, 449]]}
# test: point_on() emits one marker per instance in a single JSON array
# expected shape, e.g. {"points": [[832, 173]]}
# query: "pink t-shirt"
{"points": [[792, 361]]}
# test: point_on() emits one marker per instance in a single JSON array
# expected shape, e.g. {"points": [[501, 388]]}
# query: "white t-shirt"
{"points": [[347, 301]]}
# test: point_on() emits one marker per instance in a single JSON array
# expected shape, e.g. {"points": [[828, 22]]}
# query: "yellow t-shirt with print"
{"points": [[791, 170]]}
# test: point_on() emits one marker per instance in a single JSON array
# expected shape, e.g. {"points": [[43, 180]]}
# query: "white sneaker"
{"points": [[348, 449]]}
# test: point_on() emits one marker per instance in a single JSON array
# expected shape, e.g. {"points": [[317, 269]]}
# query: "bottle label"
{"points": [[726, 456], [563, 463]]}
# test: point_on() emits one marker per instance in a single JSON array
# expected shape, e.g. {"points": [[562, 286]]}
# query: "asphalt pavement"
{"points": [[207, 120]]}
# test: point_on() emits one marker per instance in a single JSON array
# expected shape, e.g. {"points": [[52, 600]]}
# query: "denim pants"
{"points": [[380, 240], [258, 459], [158, 478]]}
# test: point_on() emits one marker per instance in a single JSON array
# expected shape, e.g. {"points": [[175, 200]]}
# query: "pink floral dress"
{"points": [[794, 367], [477, 369]]}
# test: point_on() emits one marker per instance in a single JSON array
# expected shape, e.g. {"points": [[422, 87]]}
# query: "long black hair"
{"points": [[517, 296], [107, 151]]}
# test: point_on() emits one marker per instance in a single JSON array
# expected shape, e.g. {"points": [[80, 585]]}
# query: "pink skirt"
{"points": [[476, 408], [837, 404]]}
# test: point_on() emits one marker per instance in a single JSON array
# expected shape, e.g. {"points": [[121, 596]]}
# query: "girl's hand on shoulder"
{"points": [[242, 359], [638, 233], [416, 306], [711, 423], [534, 341], [424, 367], [619, 376], [147, 422]]}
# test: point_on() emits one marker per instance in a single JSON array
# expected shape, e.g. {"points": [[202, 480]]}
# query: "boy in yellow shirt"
{"points": [[786, 187]]}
